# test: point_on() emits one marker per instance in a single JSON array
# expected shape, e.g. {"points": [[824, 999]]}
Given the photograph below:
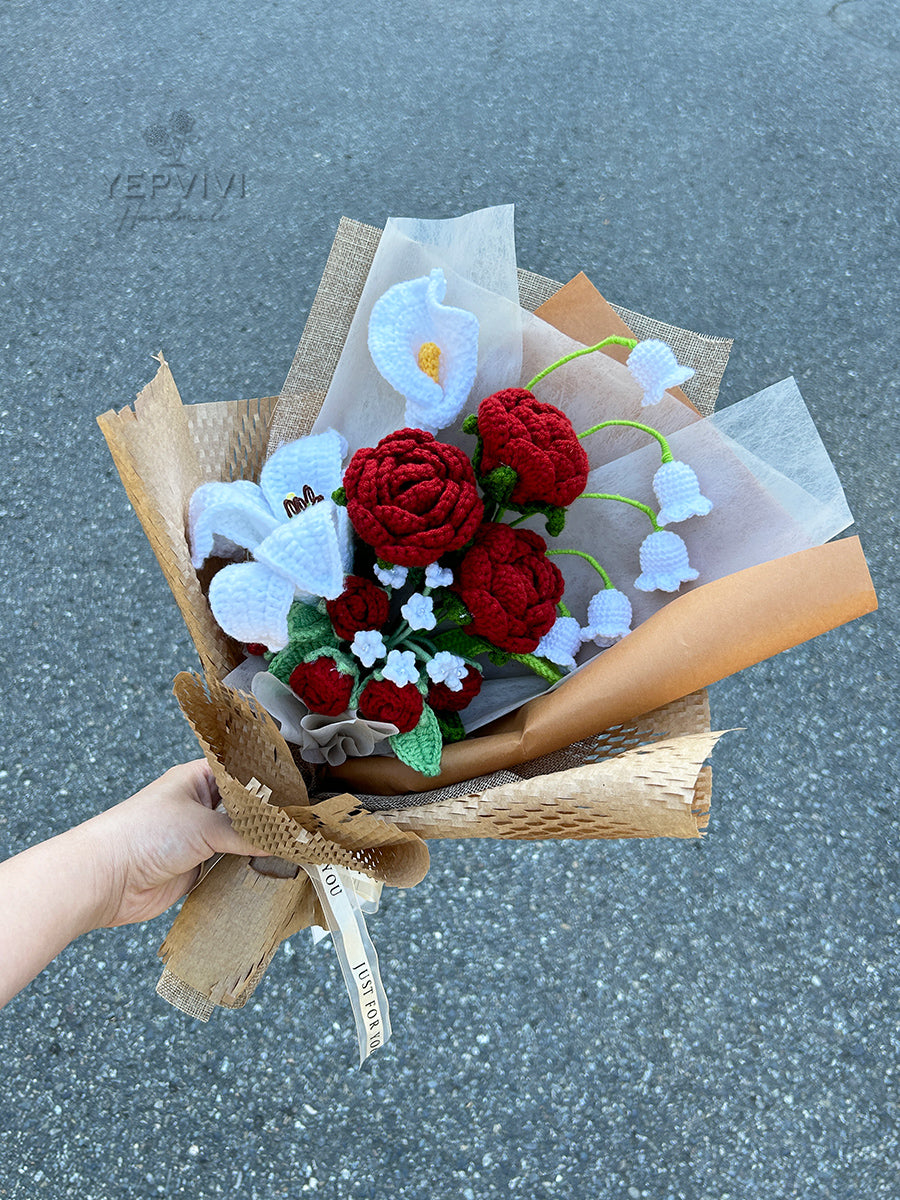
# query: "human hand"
{"points": [[147, 851]]}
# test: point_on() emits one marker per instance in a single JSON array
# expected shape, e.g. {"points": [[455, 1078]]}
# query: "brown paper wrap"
{"points": [[617, 751]]}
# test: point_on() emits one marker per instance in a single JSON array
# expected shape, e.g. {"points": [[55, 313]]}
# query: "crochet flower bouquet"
{"points": [[436, 589]]}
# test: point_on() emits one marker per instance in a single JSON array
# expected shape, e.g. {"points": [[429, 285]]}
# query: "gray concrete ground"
{"points": [[663, 1020]]}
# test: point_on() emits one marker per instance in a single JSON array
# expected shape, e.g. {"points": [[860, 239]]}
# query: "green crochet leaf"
{"points": [[421, 747], [308, 620], [339, 496], [454, 610], [451, 725], [541, 666]]}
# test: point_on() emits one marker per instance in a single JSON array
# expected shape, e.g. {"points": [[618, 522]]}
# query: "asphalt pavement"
{"points": [[680, 1021]]}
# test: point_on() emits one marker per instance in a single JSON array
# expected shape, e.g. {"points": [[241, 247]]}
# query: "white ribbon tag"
{"points": [[336, 889]]}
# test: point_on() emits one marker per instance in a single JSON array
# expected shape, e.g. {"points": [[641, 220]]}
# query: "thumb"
{"points": [[223, 838]]}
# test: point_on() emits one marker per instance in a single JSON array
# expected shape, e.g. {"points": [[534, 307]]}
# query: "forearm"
{"points": [[49, 895]]}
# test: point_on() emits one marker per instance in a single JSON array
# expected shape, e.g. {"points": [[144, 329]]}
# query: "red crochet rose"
{"points": [[442, 699], [322, 687], [509, 586], [538, 442], [412, 497], [361, 605], [382, 700]]}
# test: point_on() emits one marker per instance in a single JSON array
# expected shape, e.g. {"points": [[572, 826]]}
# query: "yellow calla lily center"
{"points": [[429, 359]]}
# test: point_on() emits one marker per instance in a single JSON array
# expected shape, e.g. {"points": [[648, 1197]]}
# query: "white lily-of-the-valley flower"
{"points": [[437, 576], [447, 668], [418, 612], [401, 668], [393, 577], [561, 643], [656, 369], [299, 538], [368, 645], [425, 349], [677, 489], [664, 563], [609, 617]]}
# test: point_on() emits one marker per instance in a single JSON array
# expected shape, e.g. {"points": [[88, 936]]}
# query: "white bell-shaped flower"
{"points": [[656, 369], [664, 563], [418, 612], [561, 642], [427, 350], [609, 617], [678, 492], [367, 645]]}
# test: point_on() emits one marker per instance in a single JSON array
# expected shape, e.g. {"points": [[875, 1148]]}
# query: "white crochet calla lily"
{"points": [[664, 563], [561, 643], [299, 538], [609, 617], [677, 489], [425, 349], [656, 369]]}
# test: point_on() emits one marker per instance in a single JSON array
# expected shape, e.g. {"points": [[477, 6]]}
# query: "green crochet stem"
{"points": [[663, 444], [610, 341], [563, 611], [645, 508], [607, 582]]}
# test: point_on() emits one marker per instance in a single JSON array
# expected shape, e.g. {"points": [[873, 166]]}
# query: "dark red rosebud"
{"points": [[382, 700], [442, 699], [538, 442], [322, 687], [257, 648], [361, 605], [412, 498], [509, 586]]}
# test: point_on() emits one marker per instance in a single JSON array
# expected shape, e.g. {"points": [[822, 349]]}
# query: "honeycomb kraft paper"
{"points": [[617, 750]]}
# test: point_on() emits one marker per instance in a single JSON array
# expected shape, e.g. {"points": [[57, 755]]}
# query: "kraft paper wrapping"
{"points": [[617, 751]]}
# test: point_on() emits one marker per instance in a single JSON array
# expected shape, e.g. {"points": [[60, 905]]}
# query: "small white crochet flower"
{"points": [[394, 577], [427, 350], [367, 645], [436, 576], [656, 369], [678, 492], [418, 612], [609, 617], [664, 563], [447, 668], [561, 642], [401, 667]]}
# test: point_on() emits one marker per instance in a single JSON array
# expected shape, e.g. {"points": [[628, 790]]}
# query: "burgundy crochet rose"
{"points": [[361, 605], [509, 586], [538, 442], [412, 497], [382, 700], [442, 699], [322, 687]]}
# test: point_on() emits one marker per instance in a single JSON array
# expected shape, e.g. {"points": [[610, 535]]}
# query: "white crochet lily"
{"points": [[656, 369], [427, 350], [678, 492], [609, 617], [561, 643], [664, 563], [299, 538]]}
